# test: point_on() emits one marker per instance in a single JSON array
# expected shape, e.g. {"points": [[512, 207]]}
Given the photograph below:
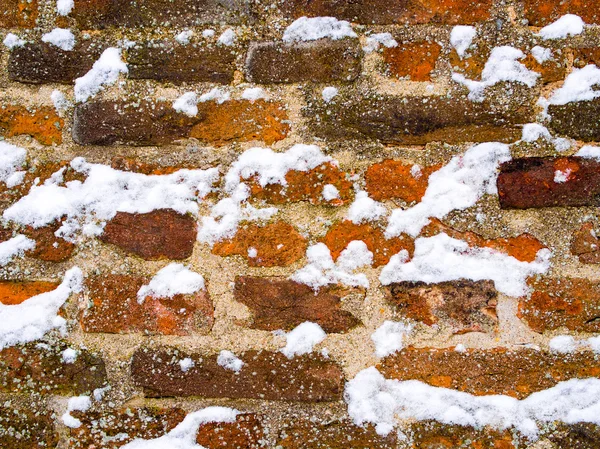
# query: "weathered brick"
{"points": [[48, 247], [322, 61], [41, 63], [585, 56], [383, 13], [276, 244], [113, 429], [157, 123], [245, 433], [566, 302], [398, 120], [284, 304], [42, 123], [515, 373], [136, 166], [18, 13], [576, 436], [168, 61], [340, 234], [16, 292], [308, 434], [98, 14], [392, 179], [415, 60], [159, 234], [265, 375], [112, 307], [543, 12], [466, 306], [26, 426], [307, 186], [433, 435], [576, 119], [40, 368], [585, 244], [537, 182], [552, 70]]}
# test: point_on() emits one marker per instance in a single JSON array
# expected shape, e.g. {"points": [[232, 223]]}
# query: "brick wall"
{"points": [[259, 160]]}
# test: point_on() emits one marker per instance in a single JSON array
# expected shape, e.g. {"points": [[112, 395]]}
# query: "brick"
{"points": [[543, 12], [340, 234], [40, 368], [551, 71], [318, 61], [265, 375], [530, 182], [307, 186], [415, 60], [392, 179], [576, 119], [284, 304], [396, 120], [12, 293], [168, 61], [579, 435], [19, 13], [516, 373], [567, 302], [277, 245], [42, 123], [433, 435], [320, 434], [26, 426], [42, 63], [245, 433], [99, 14], [159, 234], [585, 244], [148, 123], [116, 428], [466, 306], [385, 13], [585, 56], [136, 166], [112, 307], [49, 247]]}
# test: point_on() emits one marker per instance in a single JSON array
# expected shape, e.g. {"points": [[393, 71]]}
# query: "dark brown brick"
{"points": [[566, 302], [277, 245], [112, 307], [382, 13], [12, 293], [265, 375], [322, 61], [168, 61], [146, 123], [575, 436], [585, 56], [543, 12], [26, 426], [42, 63], [284, 304], [515, 373], [159, 234], [416, 60], [42, 123], [245, 433], [576, 119], [466, 306], [18, 13], [98, 14], [530, 182], [586, 244], [39, 368]]}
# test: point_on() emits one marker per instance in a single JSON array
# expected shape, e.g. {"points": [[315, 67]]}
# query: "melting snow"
{"points": [[216, 94], [310, 29], [79, 403], [187, 103], [254, 93], [302, 339], [174, 279]]}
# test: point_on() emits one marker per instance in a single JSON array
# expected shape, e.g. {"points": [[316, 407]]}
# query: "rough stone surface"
{"points": [[26, 427], [49, 247], [245, 433], [42, 123], [19, 13], [415, 60], [576, 119], [543, 12], [585, 244]]}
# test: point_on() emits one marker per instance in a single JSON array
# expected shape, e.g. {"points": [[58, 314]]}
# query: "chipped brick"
{"points": [[576, 119], [49, 247]]}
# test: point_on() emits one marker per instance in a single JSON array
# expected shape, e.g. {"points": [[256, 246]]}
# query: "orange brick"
{"points": [[42, 123], [415, 60], [393, 179], [16, 292]]}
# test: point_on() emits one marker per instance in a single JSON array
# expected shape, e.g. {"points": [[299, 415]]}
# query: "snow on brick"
{"points": [[364, 209], [61, 38], [228, 38], [64, 7], [329, 93], [174, 279], [104, 72], [302, 339], [580, 85], [229, 361], [541, 54], [254, 93], [311, 29], [589, 152], [13, 41], [567, 25], [12, 159], [14, 247], [187, 103], [377, 39], [79, 403], [461, 38]]}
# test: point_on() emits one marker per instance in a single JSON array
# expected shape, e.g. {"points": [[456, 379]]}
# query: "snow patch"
{"points": [[187, 103], [330, 192], [390, 336], [254, 93], [567, 25], [375, 40], [61, 38], [104, 72], [311, 29], [13, 41], [186, 364], [589, 152], [69, 356], [216, 94], [12, 159], [534, 131], [174, 279], [541, 54], [14, 247], [59, 101], [64, 7], [329, 93], [461, 38], [578, 86], [364, 209], [302, 339], [229, 361], [228, 38], [79, 403], [184, 37]]}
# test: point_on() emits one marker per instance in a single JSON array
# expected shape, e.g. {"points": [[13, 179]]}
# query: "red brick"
{"points": [[565, 302], [466, 306], [41, 123], [340, 234], [307, 186], [265, 375], [148, 123], [16, 292], [159, 234], [515, 373], [49, 247], [576, 119], [319, 61], [543, 12], [284, 304], [245, 433], [585, 244], [113, 307], [392, 179], [416, 60], [36, 368], [26, 425], [383, 13], [529, 182], [19, 13], [136, 166], [277, 244]]}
